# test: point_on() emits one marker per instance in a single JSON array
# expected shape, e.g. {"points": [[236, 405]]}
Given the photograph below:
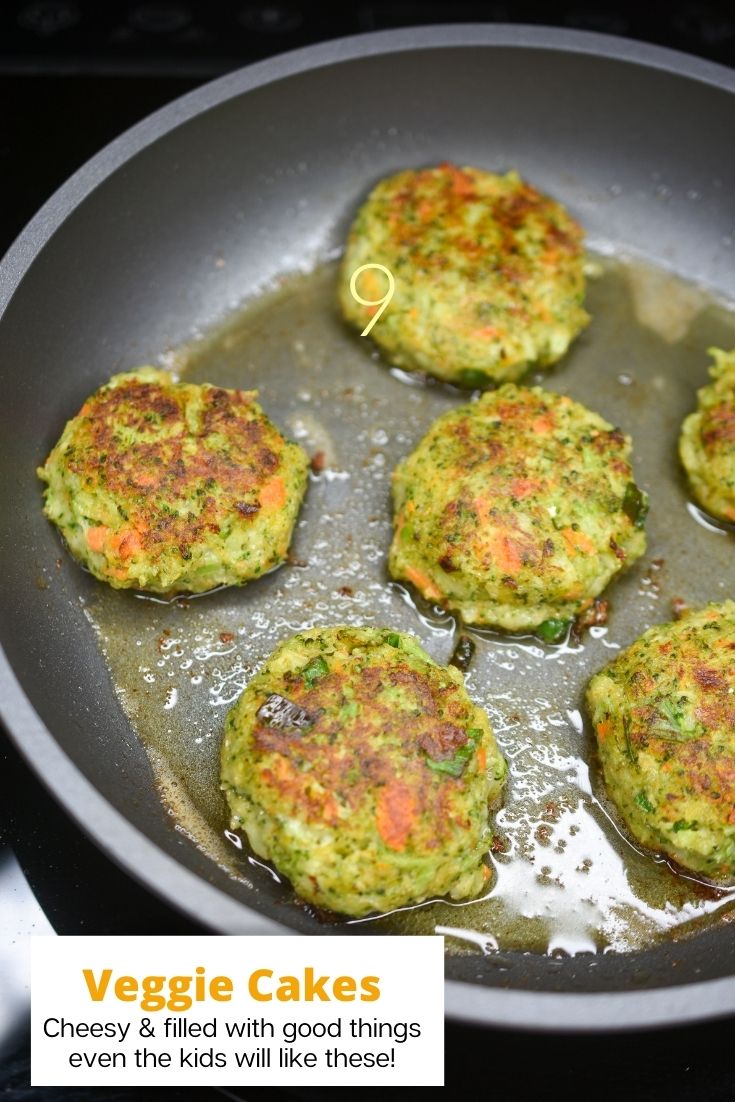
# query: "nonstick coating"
{"points": [[120, 266]]}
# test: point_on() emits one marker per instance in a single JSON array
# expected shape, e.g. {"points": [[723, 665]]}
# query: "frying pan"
{"points": [[117, 267]]}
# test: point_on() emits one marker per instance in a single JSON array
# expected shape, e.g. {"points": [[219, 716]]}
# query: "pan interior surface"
{"points": [[567, 883], [262, 183]]}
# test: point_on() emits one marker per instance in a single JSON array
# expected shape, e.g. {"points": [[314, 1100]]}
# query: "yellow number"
{"points": [[380, 302]]}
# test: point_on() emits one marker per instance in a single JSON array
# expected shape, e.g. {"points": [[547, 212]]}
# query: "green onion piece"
{"points": [[473, 378], [453, 766], [394, 639], [673, 725], [313, 671], [553, 631], [630, 750], [635, 504], [456, 765], [643, 802]]}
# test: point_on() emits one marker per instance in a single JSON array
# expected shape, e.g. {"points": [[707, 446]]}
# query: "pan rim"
{"points": [[133, 851]]}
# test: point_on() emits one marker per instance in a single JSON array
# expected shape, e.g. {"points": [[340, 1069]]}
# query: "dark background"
{"points": [[73, 75]]}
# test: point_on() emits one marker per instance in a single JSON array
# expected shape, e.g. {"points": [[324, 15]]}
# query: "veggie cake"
{"points": [[174, 488], [517, 510], [664, 716], [363, 771], [707, 442], [489, 274]]}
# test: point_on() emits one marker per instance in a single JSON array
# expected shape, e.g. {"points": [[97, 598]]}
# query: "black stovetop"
{"points": [[73, 75]]}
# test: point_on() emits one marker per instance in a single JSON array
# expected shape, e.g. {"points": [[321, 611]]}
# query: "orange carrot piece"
{"points": [[370, 283], [524, 487], [146, 478], [130, 543], [462, 184], [506, 553], [96, 537], [544, 423], [396, 813], [577, 541], [273, 494], [423, 582]]}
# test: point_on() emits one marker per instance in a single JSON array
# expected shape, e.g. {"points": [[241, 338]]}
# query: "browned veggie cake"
{"points": [[664, 716], [174, 488], [517, 510], [707, 443], [489, 273], [363, 770]]}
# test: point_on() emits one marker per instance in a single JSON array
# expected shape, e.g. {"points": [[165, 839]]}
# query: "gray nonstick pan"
{"points": [[232, 203]]}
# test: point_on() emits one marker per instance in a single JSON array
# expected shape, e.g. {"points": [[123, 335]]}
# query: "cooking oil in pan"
{"points": [[566, 879]]}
